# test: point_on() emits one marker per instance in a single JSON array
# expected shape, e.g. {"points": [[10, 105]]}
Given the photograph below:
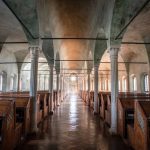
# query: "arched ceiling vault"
{"points": [[72, 19], [48, 51]]}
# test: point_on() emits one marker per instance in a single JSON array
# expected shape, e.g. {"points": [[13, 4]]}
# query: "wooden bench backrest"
{"points": [[141, 126]]}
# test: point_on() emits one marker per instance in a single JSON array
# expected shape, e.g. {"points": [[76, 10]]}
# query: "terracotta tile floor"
{"points": [[73, 127]]}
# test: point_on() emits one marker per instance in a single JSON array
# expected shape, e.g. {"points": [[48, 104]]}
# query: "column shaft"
{"points": [[18, 89], [96, 101], [19, 77], [128, 78], [34, 51], [62, 88], [114, 88], [57, 102], [51, 89], [89, 88]]}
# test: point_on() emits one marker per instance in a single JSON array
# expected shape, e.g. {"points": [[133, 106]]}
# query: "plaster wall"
{"points": [[10, 69]]}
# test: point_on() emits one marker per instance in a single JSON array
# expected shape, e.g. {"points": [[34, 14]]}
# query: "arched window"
{"points": [[109, 85], [146, 83], [13, 80], [11, 83], [124, 84], [134, 83], [119, 85], [103, 84], [3, 81], [27, 84], [106, 84]]}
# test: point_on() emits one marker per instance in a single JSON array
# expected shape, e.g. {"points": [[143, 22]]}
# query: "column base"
{"points": [[95, 113], [112, 132], [34, 131], [51, 112]]}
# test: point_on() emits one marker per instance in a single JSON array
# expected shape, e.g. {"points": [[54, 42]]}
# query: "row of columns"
{"points": [[114, 88], [43, 83], [34, 52]]}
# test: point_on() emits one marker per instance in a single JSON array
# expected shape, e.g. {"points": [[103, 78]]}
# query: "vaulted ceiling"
{"points": [[30, 21]]}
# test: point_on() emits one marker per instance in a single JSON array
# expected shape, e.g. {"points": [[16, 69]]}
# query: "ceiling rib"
{"points": [[130, 21], [73, 60]]}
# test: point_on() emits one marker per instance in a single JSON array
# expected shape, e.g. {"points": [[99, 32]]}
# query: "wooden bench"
{"points": [[40, 105], [108, 110], [132, 95], [7, 124], [23, 114], [47, 97], [85, 98], [50, 103], [125, 116], [103, 104], [54, 99], [140, 133], [39, 108], [91, 105], [43, 103], [9, 129]]}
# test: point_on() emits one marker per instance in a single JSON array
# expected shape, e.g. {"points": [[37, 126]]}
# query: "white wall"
{"points": [[6, 56]]}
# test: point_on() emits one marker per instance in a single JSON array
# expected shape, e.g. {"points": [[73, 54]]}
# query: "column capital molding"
{"points": [[96, 65], [114, 51], [34, 48], [51, 66]]}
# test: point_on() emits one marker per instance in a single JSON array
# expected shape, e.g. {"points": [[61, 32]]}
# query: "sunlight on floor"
{"points": [[73, 116]]}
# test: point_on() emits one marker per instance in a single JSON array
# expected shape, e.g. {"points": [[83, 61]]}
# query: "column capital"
{"points": [[51, 65], [114, 51], [34, 49], [96, 67]]}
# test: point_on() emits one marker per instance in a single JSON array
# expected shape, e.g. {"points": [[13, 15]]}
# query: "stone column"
{"points": [[68, 87], [18, 89], [44, 82], [39, 83], [92, 84], [89, 88], [85, 83], [62, 88], [106, 83], [19, 77], [51, 109], [78, 85], [34, 52], [96, 101], [57, 101], [114, 88], [128, 77]]}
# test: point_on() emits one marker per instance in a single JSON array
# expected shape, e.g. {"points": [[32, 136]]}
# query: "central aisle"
{"points": [[73, 127]]}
